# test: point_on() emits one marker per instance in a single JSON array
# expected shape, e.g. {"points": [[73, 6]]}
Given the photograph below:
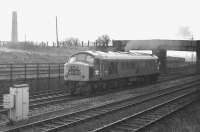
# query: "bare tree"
{"points": [[103, 40], [72, 42], [185, 32]]}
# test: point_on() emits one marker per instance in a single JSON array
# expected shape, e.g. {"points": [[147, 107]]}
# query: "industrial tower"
{"points": [[14, 35]]}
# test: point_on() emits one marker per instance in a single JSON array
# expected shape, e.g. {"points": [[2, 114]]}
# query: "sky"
{"points": [[88, 19]]}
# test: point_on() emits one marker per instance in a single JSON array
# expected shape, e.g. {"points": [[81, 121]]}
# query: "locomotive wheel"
{"points": [[92, 86], [87, 90], [72, 88], [72, 91], [110, 84], [104, 85], [84, 89], [147, 79], [154, 78]]}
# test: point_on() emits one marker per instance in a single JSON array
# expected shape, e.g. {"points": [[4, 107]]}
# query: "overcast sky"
{"points": [[88, 19]]}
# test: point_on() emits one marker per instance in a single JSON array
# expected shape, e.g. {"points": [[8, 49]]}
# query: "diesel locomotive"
{"points": [[89, 71]]}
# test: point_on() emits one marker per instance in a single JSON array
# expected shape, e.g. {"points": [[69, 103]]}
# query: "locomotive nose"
{"points": [[76, 72]]}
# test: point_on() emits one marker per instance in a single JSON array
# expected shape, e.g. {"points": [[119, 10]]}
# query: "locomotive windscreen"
{"points": [[82, 58]]}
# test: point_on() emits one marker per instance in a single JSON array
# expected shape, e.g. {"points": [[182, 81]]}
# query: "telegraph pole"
{"points": [[57, 32]]}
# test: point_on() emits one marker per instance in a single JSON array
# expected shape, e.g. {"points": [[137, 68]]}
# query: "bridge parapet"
{"points": [[198, 57], [181, 45], [160, 47]]}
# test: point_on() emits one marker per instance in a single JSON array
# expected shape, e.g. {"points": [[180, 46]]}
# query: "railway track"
{"points": [[45, 98], [46, 93], [95, 119], [39, 103], [143, 119], [40, 95], [55, 94], [162, 78], [48, 100], [38, 100]]}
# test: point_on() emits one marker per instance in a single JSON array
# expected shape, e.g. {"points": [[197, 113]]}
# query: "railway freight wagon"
{"points": [[90, 71]]}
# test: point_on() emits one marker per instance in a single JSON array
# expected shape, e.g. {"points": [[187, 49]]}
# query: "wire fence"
{"points": [[40, 76], [61, 44]]}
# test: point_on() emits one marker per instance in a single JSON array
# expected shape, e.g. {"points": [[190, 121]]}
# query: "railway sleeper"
{"points": [[83, 116], [51, 125], [69, 120], [136, 122], [152, 116], [131, 125], [162, 112], [142, 120], [66, 121], [147, 118], [73, 119], [96, 112], [125, 128], [116, 130], [38, 129], [45, 126], [109, 109], [91, 114], [59, 123]]}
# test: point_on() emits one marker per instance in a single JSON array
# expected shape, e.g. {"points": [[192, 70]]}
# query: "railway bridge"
{"points": [[160, 47]]}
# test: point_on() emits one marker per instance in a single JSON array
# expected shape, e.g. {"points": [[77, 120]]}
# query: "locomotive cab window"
{"points": [[89, 59], [82, 58], [72, 59]]}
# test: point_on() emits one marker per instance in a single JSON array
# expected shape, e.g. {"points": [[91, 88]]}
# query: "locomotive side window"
{"points": [[127, 65], [116, 67], [133, 65], [81, 57], [113, 68], [123, 65]]}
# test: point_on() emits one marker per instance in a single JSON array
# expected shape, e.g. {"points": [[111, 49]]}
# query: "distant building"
{"points": [[14, 35]]}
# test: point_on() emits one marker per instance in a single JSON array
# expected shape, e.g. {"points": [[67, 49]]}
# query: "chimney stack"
{"points": [[14, 37]]}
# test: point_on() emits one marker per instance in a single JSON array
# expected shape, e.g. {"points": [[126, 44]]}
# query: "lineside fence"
{"points": [[49, 76], [40, 76], [61, 44]]}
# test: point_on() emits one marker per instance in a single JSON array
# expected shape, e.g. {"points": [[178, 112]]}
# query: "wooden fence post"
{"points": [[11, 73], [49, 70], [59, 75], [25, 76], [37, 76]]}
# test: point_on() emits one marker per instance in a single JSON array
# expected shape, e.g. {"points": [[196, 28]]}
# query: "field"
{"points": [[37, 54]]}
